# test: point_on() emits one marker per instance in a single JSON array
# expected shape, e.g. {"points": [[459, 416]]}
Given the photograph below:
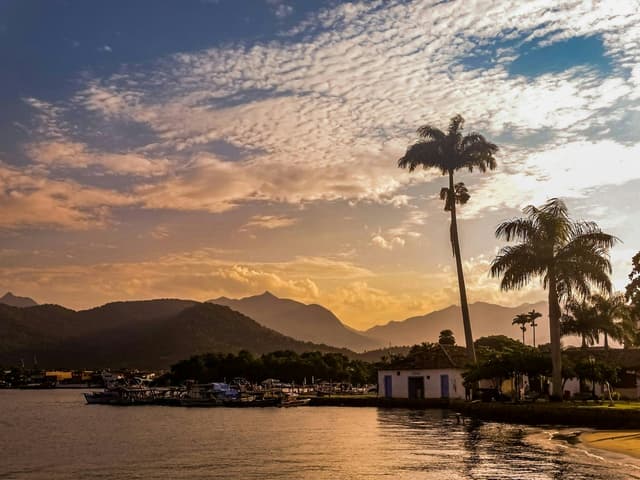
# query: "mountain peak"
{"points": [[267, 294], [16, 301]]}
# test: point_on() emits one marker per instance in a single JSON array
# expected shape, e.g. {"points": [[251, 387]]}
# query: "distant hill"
{"points": [[486, 319], [15, 301], [311, 323], [153, 334]]}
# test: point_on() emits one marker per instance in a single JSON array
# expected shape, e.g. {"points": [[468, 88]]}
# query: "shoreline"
{"points": [[622, 442]]}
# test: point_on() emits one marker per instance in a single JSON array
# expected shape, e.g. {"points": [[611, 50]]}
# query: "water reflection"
{"points": [[478, 450]]}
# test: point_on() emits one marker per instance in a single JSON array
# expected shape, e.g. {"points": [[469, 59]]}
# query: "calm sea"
{"points": [[54, 435]]}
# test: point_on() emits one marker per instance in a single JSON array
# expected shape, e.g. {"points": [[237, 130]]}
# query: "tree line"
{"points": [[287, 366]]}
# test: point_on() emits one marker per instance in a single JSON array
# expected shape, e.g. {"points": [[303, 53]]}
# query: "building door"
{"points": [[416, 388], [387, 386], [444, 386]]}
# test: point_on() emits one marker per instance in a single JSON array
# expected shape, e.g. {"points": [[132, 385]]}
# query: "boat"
{"points": [[294, 402], [208, 395], [129, 395], [105, 397], [255, 399]]}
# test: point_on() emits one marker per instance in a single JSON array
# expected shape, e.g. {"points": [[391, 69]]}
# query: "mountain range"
{"points": [[157, 333], [487, 319], [147, 334], [311, 323]]}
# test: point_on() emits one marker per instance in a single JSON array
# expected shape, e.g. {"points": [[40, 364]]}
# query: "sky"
{"points": [[205, 148]]}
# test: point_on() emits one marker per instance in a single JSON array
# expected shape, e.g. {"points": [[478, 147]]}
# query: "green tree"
{"points": [[533, 315], [569, 256], [632, 291], [521, 319], [450, 152], [446, 338]]}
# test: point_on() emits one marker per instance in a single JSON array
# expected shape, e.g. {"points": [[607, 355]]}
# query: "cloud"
{"points": [[30, 199], [280, 9], [214, 185], [69, 154], [345, 96], [269, 222], [570, 170], [198, 275], [105, 49], [379, 241], [160, 232]]}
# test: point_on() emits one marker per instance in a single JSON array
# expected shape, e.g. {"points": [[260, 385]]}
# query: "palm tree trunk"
{"points": [[606, 341], [466, 321], [554, 333], [534, 336], [523, 336]]}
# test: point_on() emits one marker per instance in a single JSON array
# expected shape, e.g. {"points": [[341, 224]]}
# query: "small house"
{"points": [[428, 371]]}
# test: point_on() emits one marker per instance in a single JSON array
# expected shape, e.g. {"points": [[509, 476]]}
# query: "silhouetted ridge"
{"points": [[16, 301], [313, 323], [149, 334]]}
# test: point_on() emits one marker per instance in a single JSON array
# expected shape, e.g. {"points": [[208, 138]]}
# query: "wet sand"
{"points": [[624, 442]]}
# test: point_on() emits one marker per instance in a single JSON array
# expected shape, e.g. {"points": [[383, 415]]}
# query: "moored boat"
{"points": [[208, 395], [105, 397], [294, 402]]}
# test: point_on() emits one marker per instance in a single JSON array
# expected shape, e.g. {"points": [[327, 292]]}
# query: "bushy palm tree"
{"points": [[533, 315], [612, 312], [580, 319], [450, 152], [521, 319], [570, 257]]}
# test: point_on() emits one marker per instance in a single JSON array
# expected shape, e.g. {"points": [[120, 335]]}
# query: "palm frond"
{"points": [[462, 193], [427, 154], [477, 152], [519, 228], [518, 264], [431, 133]]}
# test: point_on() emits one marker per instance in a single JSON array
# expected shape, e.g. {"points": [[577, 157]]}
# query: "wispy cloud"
{"points": [[31, 199], [269, 222]]}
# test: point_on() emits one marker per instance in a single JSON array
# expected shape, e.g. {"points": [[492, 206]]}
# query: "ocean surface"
{"points": [[52, 434]]}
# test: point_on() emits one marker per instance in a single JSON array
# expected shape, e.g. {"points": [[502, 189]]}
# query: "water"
{"points": [[54, 435]]}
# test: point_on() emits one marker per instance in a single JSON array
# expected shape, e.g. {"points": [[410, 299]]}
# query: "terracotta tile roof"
{"points": [[432, 356]]}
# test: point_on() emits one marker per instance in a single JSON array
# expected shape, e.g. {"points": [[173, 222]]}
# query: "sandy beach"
{"points": [[625, 442]]}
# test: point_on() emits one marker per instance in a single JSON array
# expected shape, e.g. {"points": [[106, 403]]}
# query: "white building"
{"points": [[436, 372]]}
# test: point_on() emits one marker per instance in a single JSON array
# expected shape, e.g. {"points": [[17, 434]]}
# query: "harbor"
{"points": [[239, 393]]}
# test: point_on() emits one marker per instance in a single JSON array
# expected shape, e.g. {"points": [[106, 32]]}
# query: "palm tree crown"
{"points": [[580, 319], [521, 319], [533, 315], [450, 152], [612, 313], [570, 257]]}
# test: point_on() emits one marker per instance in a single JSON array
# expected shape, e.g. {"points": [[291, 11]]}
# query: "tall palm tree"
{"points": [[450, 152], [521, 319], [580, 319], [569, 256], [533, 315]]}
